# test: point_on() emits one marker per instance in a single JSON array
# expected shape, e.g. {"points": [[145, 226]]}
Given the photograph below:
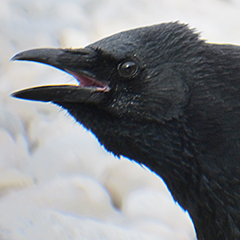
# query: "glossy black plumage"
{"points": [[161, 96]]}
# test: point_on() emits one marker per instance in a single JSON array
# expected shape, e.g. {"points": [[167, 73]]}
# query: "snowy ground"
{"points": [[56, 182]]}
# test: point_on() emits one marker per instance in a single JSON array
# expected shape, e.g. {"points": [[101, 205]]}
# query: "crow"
{"points": [[162, 96]]}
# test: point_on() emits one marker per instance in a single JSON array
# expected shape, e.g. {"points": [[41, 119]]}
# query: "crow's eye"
{"points": [[127, 69]]}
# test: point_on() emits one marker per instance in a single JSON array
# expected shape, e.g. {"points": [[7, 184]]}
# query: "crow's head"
{"points": [[130, 74], [132, 92]]}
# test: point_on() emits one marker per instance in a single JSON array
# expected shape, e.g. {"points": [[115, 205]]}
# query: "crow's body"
{"points": [[161, 96]]}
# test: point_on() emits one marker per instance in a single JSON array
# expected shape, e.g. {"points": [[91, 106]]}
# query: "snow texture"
{"points": [[56, 181]]}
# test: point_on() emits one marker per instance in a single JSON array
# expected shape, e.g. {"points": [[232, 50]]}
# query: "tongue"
{"points": [[87, 81]]}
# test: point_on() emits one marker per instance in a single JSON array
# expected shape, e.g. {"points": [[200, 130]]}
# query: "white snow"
{"points": [[56, 181]]}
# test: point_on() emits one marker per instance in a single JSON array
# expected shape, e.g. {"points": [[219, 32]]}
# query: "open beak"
{"points": [[78, 63]]}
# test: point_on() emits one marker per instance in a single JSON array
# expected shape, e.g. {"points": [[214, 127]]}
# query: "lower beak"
{"points": [[60, 94]]}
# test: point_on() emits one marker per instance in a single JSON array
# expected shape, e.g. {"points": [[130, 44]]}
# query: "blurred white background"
{"points": [[56, 181]]}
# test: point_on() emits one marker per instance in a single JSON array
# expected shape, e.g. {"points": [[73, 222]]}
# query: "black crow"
{"points": [[163, 97]]}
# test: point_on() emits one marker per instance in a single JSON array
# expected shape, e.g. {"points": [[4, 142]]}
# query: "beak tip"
{"points": [[15, 95], [18, 56], [14, 58]]}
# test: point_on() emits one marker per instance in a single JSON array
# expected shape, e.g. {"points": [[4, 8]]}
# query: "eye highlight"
{"points": [[127, 69]]}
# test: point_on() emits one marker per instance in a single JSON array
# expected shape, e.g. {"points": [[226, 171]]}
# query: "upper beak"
{"points": [[77, 62]]}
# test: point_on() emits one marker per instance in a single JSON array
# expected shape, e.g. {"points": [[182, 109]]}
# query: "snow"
{"points": [[56, 181]]}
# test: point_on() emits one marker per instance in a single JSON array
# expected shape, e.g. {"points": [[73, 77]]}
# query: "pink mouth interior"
{"points": [[89, 82]]}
